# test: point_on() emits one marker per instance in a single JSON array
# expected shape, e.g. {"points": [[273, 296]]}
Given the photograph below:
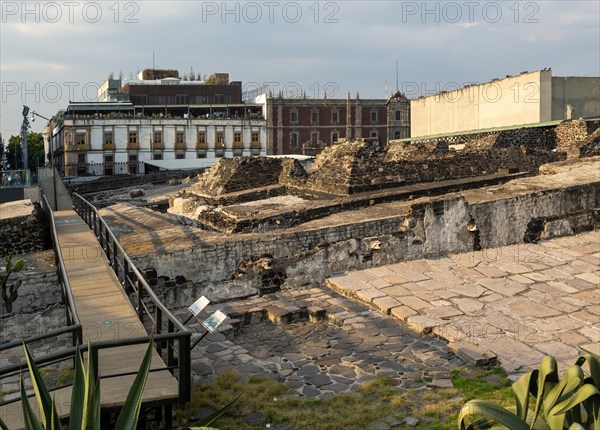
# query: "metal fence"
{"points": [[17, 178], [146, 302]]}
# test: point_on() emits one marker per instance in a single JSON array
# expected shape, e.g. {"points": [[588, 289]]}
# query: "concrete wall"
{"points": [[582, 93], [517, 100]]}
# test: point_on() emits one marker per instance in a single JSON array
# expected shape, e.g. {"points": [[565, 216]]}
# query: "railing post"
{"points": [[158, 328], [140, 297], [171, 344], [93, 355], [184, 369]]}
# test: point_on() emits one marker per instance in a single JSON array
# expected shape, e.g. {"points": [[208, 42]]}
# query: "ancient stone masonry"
{"points": [[579, 138], [243, 173], [26, 231]]}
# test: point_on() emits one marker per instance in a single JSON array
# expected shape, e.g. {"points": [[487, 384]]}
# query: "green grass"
{"points": [[436, 409]]}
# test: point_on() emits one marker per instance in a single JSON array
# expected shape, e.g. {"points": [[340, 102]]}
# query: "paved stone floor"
{"points": [[518, 302], [321, 343]]}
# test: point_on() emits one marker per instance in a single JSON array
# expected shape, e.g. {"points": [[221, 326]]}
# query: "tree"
{"points": [[35, 156]]}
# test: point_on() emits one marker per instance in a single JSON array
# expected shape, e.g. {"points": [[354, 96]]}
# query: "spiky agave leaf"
{"points": [[46, 405], [490, 411]]}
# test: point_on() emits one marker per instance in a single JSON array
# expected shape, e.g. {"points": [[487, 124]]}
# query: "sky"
{"points": [[52, 52]]}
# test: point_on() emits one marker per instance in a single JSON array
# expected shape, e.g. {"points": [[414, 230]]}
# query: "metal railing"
{"points": [[168, 328], [66, 292]]}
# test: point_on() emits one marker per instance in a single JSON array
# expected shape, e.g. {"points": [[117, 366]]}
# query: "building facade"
{"points": [[142, 121], [528, 98], [306, 126]]}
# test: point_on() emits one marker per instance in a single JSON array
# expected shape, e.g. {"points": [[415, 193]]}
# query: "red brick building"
{"points": [[306, 126]]}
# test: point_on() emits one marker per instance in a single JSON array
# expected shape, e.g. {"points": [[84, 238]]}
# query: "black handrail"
{"points": [[92, 217], [14, 343], [132, 280], [67, 294], [69, 353]]}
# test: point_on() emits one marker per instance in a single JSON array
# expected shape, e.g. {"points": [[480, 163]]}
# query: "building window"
{"points": [[108, 139], [397, 135], [373, 133], [201, 154], [80, 139], [373, 116], [255, 138], [335, 115], [220, 140], [133, 138], [81, 158], [294, 141], [180, 137], [157, 156], [180, 156], [314, 116], [405, 118], [314, 137], [294, 115], [334, 137], [237, 139], [201, 140], [157, 139], [398, 115], [108, 164]]}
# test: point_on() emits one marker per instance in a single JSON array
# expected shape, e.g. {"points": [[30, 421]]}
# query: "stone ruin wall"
{"points": [[24, 234], [349, 167], [428, 228], [231, 175]]}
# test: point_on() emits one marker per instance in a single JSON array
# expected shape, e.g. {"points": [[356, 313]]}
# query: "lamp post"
{"points": [[51, 144], [24, 129]]}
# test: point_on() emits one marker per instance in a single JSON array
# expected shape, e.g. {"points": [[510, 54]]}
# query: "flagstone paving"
{"points": [[517, 303], [321, 343]]}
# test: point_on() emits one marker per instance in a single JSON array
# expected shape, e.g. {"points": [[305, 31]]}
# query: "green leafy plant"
{"points": [[9, 292], [571, 403], [85, 398]]}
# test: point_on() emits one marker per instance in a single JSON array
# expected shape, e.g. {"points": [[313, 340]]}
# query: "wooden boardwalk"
{"points": [[105, 313]]}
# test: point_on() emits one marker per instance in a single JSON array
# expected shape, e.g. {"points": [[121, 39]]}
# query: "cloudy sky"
{"points": [[53, 52]]}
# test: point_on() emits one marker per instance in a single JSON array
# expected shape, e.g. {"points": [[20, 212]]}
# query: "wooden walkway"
{"points": [[105, 313]]}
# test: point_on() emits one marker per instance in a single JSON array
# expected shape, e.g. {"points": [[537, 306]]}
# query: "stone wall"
{"points": [[26, 232], [460, 222], [364, 165], [122, 181], [579, 138], [40, 287], [230, 175]]}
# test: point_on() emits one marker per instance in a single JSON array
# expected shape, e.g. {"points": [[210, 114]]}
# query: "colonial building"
{"points": [[156, 119], [305, 126]]}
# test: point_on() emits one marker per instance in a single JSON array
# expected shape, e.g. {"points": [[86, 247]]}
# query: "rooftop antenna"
{"points": [[153, 65], [385, 90], [397, 88]]}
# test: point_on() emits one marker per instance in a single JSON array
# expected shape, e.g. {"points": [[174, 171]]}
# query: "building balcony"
{"points": [[133, 146], [158, 145], [201, 146], [238, 145], [77, 147], [254, 145], [180, 145], [108, 147]]}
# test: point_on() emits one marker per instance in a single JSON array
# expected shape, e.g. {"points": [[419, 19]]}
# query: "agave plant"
{"points": [[9, 292], [572, 403], [85, 399]]}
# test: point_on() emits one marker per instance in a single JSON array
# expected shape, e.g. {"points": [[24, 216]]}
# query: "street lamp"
{"points": [[51, 144]]}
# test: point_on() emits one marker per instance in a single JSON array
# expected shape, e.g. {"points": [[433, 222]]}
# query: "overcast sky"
{"points": [[53, 52]]}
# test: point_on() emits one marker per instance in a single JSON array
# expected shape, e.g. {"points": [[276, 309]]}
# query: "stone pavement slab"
{"points": [[517, 302]]}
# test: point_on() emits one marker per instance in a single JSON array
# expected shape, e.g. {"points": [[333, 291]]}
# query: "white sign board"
{"points": [[198, 305], [214, 321]]}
